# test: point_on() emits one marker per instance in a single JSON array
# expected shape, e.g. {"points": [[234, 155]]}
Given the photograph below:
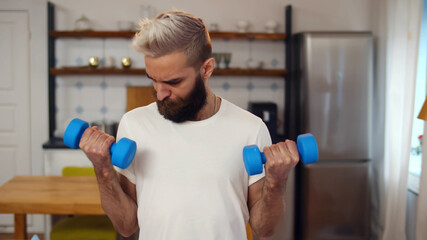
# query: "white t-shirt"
{"points": [[190, 177]]}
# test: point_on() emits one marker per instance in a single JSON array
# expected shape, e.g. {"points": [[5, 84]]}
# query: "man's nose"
{"points": [[162, 92]]}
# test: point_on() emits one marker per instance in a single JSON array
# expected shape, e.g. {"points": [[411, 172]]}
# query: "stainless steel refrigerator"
{"points": [[330, 96]]}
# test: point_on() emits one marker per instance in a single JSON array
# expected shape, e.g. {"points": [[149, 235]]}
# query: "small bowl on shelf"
{"points": [[271, 26], [255, 64], [243, 26], [213, 27], [83, 24]]}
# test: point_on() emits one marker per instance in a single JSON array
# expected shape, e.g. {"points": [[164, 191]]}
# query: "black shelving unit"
{"points": [[57, 143]]}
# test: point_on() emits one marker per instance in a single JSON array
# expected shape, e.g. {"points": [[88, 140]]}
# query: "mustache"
{"points": [[185, 108]]}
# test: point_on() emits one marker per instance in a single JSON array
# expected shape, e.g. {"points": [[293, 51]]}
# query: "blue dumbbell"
{"points": [[122, 152], [254, 159]]}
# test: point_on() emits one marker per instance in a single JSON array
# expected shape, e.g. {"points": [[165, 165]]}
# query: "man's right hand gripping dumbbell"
{"points": [[95, 144]]}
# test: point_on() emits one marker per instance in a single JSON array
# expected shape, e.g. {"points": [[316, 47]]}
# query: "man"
{"points": [[188, 180]]}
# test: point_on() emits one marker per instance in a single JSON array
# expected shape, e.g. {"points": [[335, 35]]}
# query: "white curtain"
{"points": [[401, 21], [421, 225]]}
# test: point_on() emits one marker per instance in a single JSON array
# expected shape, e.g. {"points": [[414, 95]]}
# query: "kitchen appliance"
{"points": [[267, 111], [330, 96]]}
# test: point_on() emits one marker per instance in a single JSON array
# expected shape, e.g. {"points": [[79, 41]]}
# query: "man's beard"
{"points": [[184, 109]]}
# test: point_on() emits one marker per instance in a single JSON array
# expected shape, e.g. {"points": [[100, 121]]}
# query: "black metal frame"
{"points": [[297, 122], [53, 142], [293, 118], [290, 92], [51, 64], [294, 100]]}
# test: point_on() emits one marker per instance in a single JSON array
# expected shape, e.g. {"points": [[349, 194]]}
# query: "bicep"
{"points": [[128, 187], [255, 193]]}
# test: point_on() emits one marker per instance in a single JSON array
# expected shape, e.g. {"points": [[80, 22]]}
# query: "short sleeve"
{"points": [[124, 131], [263, 139]]}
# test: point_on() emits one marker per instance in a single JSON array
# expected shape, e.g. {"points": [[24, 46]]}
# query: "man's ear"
{"points": [[207, 68]]}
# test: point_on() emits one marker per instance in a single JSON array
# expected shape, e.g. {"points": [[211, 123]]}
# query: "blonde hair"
{"points": [[173, 31]]}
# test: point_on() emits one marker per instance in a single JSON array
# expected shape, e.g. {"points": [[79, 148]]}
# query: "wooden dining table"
{"points": [[24, 195]]}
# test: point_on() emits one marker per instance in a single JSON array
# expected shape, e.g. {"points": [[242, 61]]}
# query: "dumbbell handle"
{"points": [[254, 159], [122, 152], [263, 158], [302, 151]]}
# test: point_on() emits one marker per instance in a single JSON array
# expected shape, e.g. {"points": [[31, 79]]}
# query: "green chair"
{"points": [[85, 226]]}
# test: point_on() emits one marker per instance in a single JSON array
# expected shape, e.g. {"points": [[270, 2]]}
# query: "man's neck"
{"points": [[210, 108]]}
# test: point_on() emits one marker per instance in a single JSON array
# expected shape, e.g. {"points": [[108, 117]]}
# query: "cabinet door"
{"points": [[15, 158]]}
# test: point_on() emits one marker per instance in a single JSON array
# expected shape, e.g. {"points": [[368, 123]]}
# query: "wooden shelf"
{"points": [[91, 34], [141, 71], [250, 72], [126, 34], [96, 71], [249, 35]]}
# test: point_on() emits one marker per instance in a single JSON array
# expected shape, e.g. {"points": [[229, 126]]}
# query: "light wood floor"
{"points": [[9, 236]]}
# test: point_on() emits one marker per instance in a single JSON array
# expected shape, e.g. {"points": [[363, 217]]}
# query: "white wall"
{"points": [[326, 15]]}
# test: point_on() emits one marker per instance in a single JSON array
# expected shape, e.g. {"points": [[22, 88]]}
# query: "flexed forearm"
{"points": [[118, 205], [118, 198], [270, 206], [267, 212]]}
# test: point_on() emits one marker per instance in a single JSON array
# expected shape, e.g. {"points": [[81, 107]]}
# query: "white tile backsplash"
{"points": [[115, 94], [266, 51], [76, 52], [97, 98]]}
